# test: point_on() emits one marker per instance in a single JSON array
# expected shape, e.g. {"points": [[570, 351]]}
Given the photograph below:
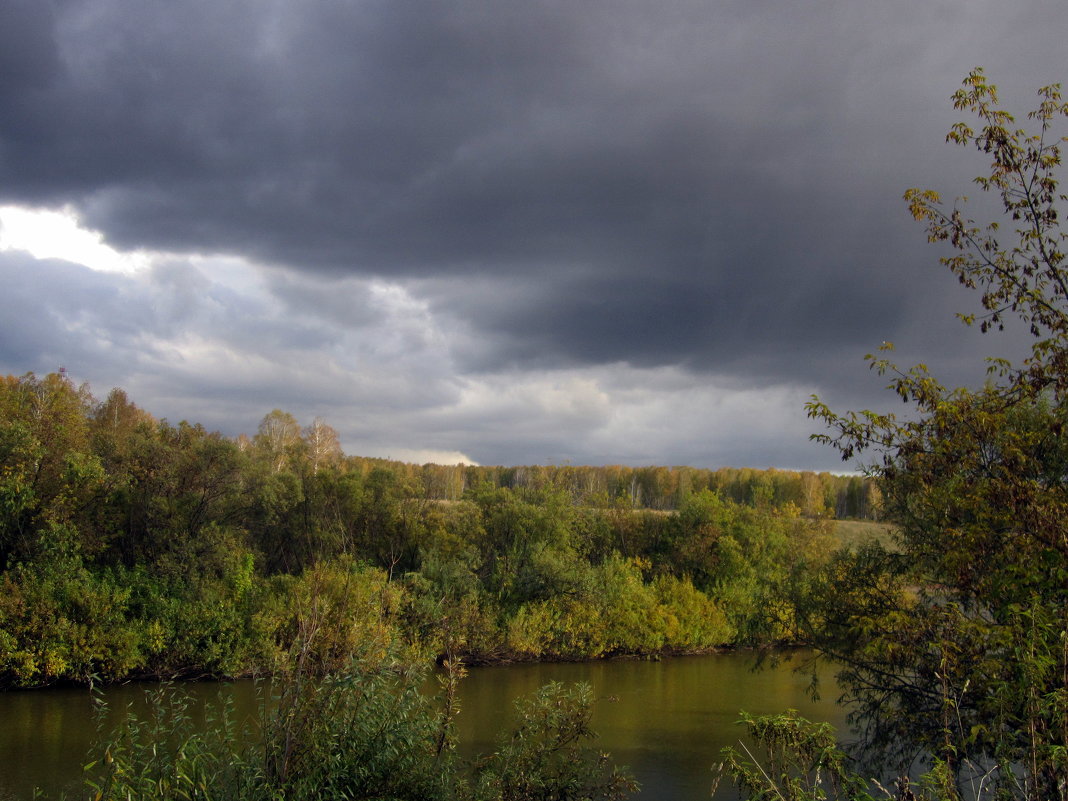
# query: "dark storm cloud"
{"points": [[712, 186], [770, 303]]}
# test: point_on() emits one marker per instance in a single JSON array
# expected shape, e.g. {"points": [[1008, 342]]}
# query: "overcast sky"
{"points": [[595, 232]]}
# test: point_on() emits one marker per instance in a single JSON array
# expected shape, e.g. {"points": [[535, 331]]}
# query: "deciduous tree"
{"points": [[956, 646]]}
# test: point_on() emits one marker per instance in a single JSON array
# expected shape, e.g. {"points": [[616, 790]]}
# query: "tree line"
{"points": [[823, 494], [131, 546]]}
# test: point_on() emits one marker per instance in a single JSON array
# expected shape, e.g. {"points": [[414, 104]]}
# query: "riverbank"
{"points": [[133, 547]]}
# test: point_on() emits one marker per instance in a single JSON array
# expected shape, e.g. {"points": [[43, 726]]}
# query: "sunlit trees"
{"points": [[278, 438], [48, 472], [133, 546], [322, 444]]}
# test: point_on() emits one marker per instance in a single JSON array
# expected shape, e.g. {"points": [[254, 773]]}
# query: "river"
{"points": [[667, 720]]}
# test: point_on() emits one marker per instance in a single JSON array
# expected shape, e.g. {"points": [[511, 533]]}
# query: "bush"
{"points": [[367, 733]]}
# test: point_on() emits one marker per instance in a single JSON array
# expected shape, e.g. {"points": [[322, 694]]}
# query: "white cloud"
{"points": [[420, 456], [58, 234]]}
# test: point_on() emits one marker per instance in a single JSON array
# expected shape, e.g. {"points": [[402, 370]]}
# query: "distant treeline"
{"points": [[131, 546], [663, 488]]}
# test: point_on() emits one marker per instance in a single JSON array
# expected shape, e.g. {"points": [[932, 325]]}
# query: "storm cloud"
{"points": [[510, 232]]}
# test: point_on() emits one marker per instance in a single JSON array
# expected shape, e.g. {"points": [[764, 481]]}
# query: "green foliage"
{"points": [[527, 551], [544, 756], [799, 761], [48, 475], [602, 615], [954, 644], [690, 620], [167, 755], [190, 554], [366, 733], [319, 620], [617, 612], [446, 608], [58, 620], [747, 559]]}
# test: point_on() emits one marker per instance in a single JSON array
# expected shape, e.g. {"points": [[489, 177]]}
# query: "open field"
{"points": [[854, 533]]}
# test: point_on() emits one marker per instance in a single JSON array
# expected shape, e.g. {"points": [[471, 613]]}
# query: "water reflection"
{"points": [[667, 720]]}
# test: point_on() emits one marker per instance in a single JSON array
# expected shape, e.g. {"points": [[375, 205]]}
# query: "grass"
{"points": [[854, 533]]}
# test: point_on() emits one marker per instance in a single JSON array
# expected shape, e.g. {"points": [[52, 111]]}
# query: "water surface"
{"points": [[667, 720]]}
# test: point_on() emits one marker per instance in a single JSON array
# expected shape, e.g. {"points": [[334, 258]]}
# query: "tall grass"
{"points": [[368, 732]]}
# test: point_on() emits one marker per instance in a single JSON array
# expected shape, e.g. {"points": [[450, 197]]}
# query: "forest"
{"points": [[131, 547]]}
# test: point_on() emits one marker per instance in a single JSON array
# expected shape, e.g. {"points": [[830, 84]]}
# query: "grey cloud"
{"points": [[29, 57], [59, 314], [187, 346], [346, 304], [559, 186], [442, 138]]}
